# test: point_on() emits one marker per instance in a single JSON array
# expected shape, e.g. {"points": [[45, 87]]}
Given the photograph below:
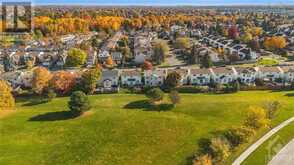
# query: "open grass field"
{"points": [[122, 129]]}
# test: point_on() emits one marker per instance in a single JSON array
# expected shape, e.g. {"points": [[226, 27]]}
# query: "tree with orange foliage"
{"points": [[63, 82], [109, 61], [147, 65], [275, 43]]}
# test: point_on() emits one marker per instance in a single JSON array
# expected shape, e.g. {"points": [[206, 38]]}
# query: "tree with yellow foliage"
{"points": [[202, 160], [247, 37], [41, 78], [6, 98], [256, 118]]}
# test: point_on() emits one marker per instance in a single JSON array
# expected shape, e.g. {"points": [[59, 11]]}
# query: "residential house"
{"points": [[131, 78], [246, 75], [109, 81], [288, 74], [108, 46], [154, 77], [270, 74], [224, 75], [18, 79], [200, 76], [117, 57], [143, 46]]}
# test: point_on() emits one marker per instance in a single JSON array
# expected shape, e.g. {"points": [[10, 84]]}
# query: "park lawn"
{"points": [[271, 147], [267, 62], [121, 129]]}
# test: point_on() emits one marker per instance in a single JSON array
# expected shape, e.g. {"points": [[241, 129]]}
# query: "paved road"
{"points": [[254, 146], [285, 156]]}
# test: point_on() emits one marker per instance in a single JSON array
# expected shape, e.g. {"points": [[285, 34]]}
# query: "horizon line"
{"points": [[166, 5]]}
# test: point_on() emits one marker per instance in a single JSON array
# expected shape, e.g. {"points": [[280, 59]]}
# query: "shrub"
{"points": [[236, 86], [174, 97], [155, 94], [205, 146], [256, 118], [237, 136], [259, 82], [272, 108], [192, 89], [202, 160], [79, 102], [220, 149]]}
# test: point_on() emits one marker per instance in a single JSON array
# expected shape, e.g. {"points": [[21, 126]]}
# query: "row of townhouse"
{"points": [[196, 76], [230, 48], [113, 79]]}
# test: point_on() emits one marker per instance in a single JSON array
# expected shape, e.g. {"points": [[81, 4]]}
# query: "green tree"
{"points": [[160, 51], [79, 103], [239, 135], [174, 97], [182, 43], [90, 79], [155, 95], [206, 61], [172, 80], [75, 58], [6, 98]]}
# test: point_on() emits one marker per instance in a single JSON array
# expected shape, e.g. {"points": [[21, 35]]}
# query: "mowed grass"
{"points": [[267, 62], [264, 154], [121, 129]]}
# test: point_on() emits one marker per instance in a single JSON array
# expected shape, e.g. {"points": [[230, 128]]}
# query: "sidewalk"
{"points": [[259, 142]]}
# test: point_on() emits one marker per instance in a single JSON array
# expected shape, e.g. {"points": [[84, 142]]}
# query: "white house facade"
{"points": [[200, 76], [131, 78]]}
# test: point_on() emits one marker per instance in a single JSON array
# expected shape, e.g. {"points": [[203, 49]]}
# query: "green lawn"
{"points": [[121, 130], [271, 147], [268, 62]]}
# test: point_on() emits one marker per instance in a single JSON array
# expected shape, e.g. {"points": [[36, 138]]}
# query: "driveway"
{"points": [[285, 156]]}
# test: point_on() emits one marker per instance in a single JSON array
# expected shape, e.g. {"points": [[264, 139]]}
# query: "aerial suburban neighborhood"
{"points": [[146, 84]]}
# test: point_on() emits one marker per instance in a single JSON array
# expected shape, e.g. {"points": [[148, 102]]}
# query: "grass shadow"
{"points": [[289, 94], [146, 106], [141, 104], [54, 116]]}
